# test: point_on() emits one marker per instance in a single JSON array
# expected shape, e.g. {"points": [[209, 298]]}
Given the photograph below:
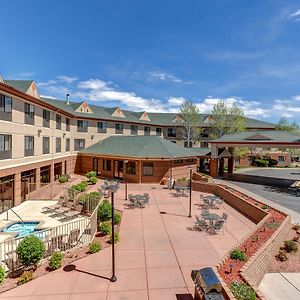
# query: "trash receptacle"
{"points": [[170, 183]]}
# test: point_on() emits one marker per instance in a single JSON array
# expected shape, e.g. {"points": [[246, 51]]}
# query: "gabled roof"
{"points": [[152, 147], [260, 137], [21, 85], [84, 108]]}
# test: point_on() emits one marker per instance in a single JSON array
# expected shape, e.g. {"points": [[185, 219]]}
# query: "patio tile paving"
{"points": [[154, 257]]}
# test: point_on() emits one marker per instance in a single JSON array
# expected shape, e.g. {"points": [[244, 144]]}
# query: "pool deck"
{"points": [[154, 257]]}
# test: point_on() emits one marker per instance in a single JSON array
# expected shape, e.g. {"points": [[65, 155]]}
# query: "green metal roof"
{"points": [[159, 119], [139, 147], [21, 85], [262, 136]]}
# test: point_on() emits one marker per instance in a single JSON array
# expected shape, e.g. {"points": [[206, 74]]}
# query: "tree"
{"points": [[227, 119], [240, 152], [190, 120], [284, 125]]}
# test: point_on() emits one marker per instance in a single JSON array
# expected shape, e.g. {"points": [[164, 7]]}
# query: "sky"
{"points": [[153, 55]]}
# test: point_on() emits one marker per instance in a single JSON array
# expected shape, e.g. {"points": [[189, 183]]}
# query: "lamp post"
{"points": [[190, 207], [113, 187], [126, 183]]}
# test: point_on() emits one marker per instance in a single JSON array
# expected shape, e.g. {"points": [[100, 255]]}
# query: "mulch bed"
{"points": [[252, 244], [69, 257]]}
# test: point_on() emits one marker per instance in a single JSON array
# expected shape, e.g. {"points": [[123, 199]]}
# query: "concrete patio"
{"points": [[154, 257]]}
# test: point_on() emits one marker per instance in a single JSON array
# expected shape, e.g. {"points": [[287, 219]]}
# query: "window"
{"points": [[148, 169], [5, 107], [280, 159], [79, 144], [29, 145], [82, 126], [133, 129], [190, 161], [131, 168], [119, 128], [171, 132], [147, 130], [57, 170], [46, 118], [106, 165], [178, 161], [158, 131], [58, 121], [67, 145], [67, 124], [102, 127], [5, 146], [46, 145], [45, 175], [29, 113], [58, 145], [6, 193], [28, 182]]}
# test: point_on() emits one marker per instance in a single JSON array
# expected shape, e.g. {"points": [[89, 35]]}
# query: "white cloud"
{"points": [[67, 79], [176, 101], [28, 74], [47, 83], [165, 76], [295, 15]]}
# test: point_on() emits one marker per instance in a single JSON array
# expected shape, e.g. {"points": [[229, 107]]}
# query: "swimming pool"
{"points": [[23, 228]]}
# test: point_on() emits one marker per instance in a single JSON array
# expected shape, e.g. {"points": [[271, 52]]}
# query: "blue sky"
{"points": [[151, 55]]}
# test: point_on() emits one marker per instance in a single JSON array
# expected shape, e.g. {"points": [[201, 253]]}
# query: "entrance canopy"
{"points": [[141, 147]]}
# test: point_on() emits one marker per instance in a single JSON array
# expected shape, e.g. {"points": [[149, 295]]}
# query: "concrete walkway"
{"points": [[154, 257], [278, 286]]}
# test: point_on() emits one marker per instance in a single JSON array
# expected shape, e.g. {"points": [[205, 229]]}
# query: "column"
{"points": [[213, 167], [231, 161], [37, 178], [17, 189]]}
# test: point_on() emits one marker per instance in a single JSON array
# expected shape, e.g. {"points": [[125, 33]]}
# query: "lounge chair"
{"points": [[72, 213], [51, 208], [72, 239], [63, 209]]}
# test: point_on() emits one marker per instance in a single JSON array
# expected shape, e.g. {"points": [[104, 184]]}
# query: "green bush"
{"points": [[80, 187], [25, 277], [281, 255], [91, 174], [2, 274], [30, 250], [261, 162], [83, 198], [95, 247], [290, 246], [63, 179], [55, 261], [296, 226], [272, 162], [238, 254], [93, 179], [104, 211], [117, 218], [242, 291], [105, 227], [117, 237], [265, 206]]}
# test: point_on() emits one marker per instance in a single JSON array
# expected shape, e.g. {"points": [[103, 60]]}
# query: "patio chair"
{"points": [[200, 224], [219, 224], [63, 209], [205, 212], [72, 213], [51, 208], [72, 239]]}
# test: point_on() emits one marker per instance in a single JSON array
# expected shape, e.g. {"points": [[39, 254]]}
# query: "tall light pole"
{"points": [[190, 207], [113, 187], [126, 183]]}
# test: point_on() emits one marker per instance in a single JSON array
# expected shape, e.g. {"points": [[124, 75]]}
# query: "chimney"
{"points": [[67, 99]]}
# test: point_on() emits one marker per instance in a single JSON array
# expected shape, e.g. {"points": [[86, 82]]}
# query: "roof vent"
{"points": [[67, 99]]}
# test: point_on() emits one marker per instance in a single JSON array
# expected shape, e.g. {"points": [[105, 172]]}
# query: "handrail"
{"points": [[14, 213]]}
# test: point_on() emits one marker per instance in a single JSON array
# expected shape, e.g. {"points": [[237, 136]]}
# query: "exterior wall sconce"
{"points": [[39, 132], [64, 135], [92, 137]]}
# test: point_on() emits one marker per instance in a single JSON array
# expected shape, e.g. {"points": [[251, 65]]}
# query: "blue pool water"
{"points": [[22, 228]]}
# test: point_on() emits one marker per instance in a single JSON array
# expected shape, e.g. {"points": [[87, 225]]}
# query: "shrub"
{"points": [[30, 250], [271, 225], [117, 218], [80, 187], [290, 246], [55, 260], [85, 183], [93, 180], [104, 211], [242, 291], [281, 255], [272, 162], [117, 237], [2, 274], [83, 198], [25, 277], [105, 227], [95, 247], [265, 206], [238, 254], [91, 174], [63, 179], [261, 162], [95, 195], [296, 226]]}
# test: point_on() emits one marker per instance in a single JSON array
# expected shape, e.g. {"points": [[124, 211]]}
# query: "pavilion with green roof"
{"points": [[139, 158]]}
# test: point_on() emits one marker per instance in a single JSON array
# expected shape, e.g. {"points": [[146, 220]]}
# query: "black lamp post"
{"points": [[126, 182], [190, 208], [113, 187]]}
